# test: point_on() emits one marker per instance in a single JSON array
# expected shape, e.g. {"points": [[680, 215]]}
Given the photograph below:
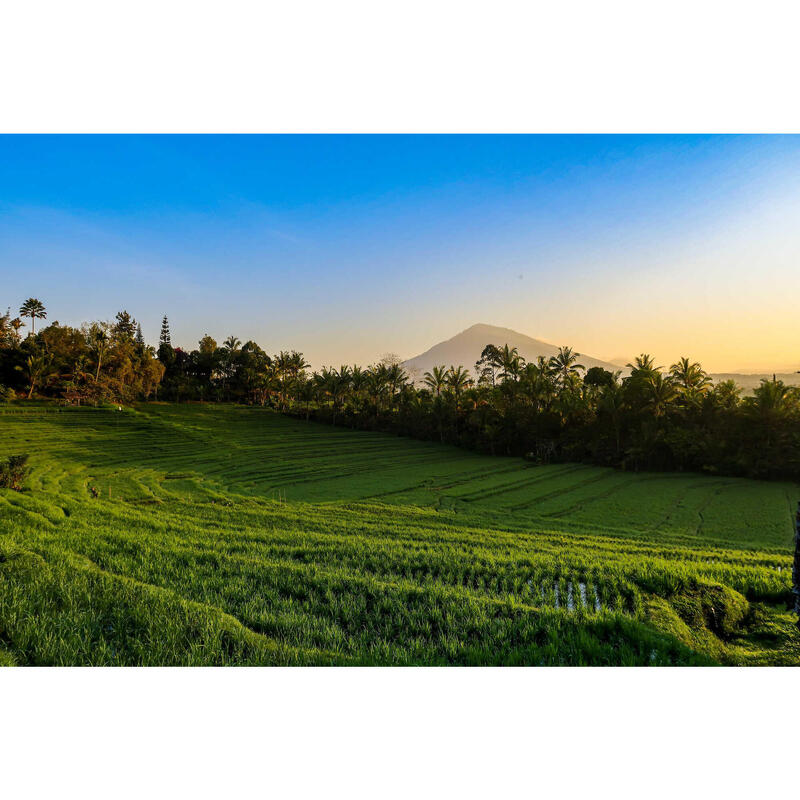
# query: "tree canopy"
{"points": [[548, 409]]}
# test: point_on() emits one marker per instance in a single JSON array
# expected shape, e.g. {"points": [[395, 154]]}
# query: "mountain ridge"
{"points": [[465, 349]]}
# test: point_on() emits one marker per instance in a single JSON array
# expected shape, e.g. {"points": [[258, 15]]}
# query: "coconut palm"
{"points": [[565, 365], [772, 405], [306, 392], [340, 386], [659, 393], [643, 366], [333, 384], [358, 383], [39, 368], [689, 378], [297, 364], [436, 380], [323, 380], [727, 394], [396, 377], [773, 401], [537, 383], [34, 309], [511, 363], [376, 384], [458, 380]]}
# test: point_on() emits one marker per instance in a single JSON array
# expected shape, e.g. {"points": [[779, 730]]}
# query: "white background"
{"points": [[397, 733], [373, 67], [416, 65]]}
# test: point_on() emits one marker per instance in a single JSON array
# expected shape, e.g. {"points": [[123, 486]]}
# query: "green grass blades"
{"points": [[168, 535]]}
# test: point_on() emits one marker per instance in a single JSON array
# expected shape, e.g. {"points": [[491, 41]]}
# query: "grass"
{"points": [[229, 535]]}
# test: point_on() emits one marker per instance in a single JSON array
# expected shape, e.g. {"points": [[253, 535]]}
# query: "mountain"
{"points": [[465, 349]]}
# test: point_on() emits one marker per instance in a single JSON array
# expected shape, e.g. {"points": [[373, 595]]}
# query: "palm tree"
{"points": [[297, 364], [511, 363], [396, 378], [690, 377], [376, 384], [17, 324], [323, 380], [306, 391], [343, 382], [231, 348], [726, 394], [771, 405], [643, 366], [773, 401], [436, 379], [34, 309], [659, 393], [537, 382], [335, 384], [39, 367], [266, 381], [99, 344], [358, 382], [565, 364], [458, 380]]}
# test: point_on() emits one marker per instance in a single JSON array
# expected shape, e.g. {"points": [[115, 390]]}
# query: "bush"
{"points": [[6, 394], [14, 472], [717, 607]]}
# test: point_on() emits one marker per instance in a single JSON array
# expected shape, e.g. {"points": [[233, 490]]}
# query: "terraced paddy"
{"points": [[229, 535]]}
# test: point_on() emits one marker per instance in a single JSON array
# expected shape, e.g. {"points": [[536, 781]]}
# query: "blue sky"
{"points": [[350, 246]]}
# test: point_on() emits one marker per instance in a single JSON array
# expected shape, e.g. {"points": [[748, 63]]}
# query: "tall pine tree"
{"points": [[166, 355], [165, 337]]}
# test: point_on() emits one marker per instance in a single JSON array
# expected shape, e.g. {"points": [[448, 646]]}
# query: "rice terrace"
{"points": [[222, 534], [399, 401]]}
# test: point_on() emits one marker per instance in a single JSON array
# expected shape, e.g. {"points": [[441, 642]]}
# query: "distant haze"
{"points": [[465, 348]]}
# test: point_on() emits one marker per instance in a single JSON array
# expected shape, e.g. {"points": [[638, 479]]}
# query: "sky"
{"points": [[348, 247]]}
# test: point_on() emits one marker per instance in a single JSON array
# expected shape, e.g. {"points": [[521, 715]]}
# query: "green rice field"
{"points": [[225, 535]]}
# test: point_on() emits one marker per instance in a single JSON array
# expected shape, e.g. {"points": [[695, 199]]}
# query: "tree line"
{"points": [[98, 362], [550, 409]]}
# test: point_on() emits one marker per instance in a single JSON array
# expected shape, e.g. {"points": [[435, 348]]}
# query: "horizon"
{"points": [[346, 247]]}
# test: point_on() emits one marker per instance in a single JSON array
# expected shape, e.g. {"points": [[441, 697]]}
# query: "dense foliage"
{"points": [[547, 410], [96, 363]]}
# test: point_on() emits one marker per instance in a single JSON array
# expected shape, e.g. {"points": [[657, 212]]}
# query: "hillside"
{"points": [[214, 535], [465, 349]]}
